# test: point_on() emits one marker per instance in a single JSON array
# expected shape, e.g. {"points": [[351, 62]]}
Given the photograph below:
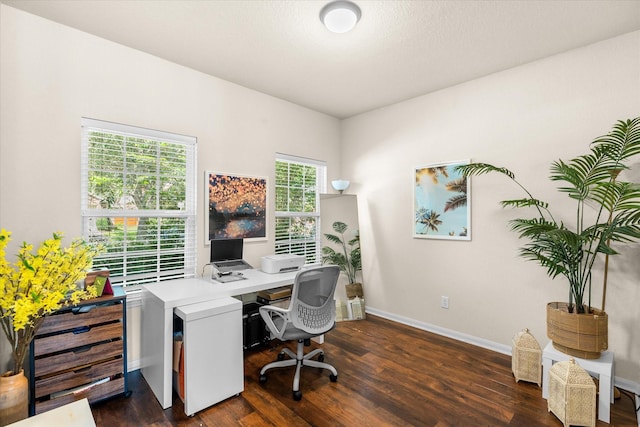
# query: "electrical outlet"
{"points": [[444, 302]]}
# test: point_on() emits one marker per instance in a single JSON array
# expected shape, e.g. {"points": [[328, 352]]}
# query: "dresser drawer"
{"points": [[79, 377], [80, 351], [80, 356], [85, 315], [78, 337], [93, 394]]}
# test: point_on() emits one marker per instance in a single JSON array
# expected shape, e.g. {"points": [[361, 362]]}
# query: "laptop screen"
{"points": [[226, 249]]}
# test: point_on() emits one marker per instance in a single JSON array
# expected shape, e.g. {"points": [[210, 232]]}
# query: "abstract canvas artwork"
{"points": [[441, 202], [237, 206]]}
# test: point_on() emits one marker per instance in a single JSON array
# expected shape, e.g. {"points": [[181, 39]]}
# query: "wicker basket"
{"points": [[578, 335], [354, 290], [526, 358], [572, 394]]}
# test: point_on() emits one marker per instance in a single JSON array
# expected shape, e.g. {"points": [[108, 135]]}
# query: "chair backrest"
{"points": [[312, 308]]}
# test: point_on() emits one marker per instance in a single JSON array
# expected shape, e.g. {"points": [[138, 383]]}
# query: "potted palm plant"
{"points": [[607, 210], [348, 259]]}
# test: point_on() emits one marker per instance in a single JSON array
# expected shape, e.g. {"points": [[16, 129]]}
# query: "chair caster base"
{"points": [[297, 395], [332, 377]]}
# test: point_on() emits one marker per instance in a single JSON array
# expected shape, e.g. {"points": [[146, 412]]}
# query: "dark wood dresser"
{"points": [[80, 351]]}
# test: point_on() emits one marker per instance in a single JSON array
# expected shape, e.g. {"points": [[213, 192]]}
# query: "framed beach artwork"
{"points": [[441, 202], [236, 207]]}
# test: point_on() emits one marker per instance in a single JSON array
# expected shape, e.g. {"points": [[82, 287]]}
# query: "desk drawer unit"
{"points": [[212, 344], [80, 352]]}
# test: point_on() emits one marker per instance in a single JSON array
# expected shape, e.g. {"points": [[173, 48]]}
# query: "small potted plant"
{"points": [[570, 250], [348, 259], [37, 283]]}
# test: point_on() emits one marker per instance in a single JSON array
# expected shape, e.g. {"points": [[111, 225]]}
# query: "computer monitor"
{"points": [[226, 249]]}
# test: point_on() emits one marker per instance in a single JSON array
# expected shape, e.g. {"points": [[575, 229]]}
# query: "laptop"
{"points": [[226, 255]]}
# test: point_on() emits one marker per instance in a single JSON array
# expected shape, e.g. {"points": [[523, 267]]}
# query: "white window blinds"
{"points": [[299, 182], [138, 200]]}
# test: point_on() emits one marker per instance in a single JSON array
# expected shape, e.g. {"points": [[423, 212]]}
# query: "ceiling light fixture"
{"points": [[340, 16]]}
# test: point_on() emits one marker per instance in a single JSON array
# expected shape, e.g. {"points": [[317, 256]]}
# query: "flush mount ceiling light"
{"points": [[340, 16]]}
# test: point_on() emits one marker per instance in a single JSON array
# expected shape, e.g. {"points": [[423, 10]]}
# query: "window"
{"points": [[299, 183], [138, 200]]}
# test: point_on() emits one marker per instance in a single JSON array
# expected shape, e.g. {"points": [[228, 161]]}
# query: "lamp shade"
{"points": [[340, 184], [340, 16]]}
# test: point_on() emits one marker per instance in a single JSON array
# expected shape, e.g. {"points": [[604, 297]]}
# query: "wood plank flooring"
{"points": [[389, 374]]}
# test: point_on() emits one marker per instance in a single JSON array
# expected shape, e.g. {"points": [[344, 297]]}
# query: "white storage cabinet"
{"points": [[212, 346]]}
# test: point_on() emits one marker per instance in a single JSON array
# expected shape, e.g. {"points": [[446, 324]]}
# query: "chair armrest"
{"points": [[267, 312]]}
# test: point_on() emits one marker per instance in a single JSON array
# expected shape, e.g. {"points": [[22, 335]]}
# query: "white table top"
{"points": [[174, 293], [74, 414], [551, 352]]}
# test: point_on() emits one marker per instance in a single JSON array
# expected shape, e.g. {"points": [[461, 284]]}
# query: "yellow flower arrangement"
{"points": [[37, 284]]}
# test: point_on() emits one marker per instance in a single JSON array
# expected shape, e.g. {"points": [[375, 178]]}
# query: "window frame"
{"points": [[186, 212], [320, 188]]}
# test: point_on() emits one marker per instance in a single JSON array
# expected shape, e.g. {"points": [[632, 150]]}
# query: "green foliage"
{"points": [[296, 187], [149, 165], [349, 260], [144, 178], [296, 198], [592, 181]]}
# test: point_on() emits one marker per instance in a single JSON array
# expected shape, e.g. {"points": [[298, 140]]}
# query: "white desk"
{"points": [[602, 366], [158, 303]]}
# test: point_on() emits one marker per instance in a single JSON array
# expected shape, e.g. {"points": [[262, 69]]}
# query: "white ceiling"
{"points": [[398, 50]]}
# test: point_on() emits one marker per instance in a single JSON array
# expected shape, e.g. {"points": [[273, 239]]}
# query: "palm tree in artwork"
{"points": [[428, 218], [458, 186]]}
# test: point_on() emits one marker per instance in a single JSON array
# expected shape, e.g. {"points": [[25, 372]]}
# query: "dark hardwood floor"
{"points": [[388, 374]]}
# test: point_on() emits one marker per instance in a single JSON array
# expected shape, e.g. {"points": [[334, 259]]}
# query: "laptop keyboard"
{"points": [[230, 263]]}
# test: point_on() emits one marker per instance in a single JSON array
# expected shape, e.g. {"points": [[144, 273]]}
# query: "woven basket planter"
{"points": [[579, 335], [354, 290]]}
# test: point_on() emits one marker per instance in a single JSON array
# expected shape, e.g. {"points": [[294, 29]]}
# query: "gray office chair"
{"points": [[311, 312]]}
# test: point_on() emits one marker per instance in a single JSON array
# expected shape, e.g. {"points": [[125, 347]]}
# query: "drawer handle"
{"points": [[83, 309], [81, 330], [84, 369], [82, 349]]}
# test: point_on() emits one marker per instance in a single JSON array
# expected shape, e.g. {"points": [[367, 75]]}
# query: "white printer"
{"points": [[282, 263]]}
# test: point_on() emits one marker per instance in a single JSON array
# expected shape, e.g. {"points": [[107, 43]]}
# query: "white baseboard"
{"points": [[459, 336], [630, 386], [133, 365], [622, 383]]}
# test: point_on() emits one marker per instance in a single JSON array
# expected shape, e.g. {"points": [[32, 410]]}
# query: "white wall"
{"points": [[522, 118], [52, 75]]}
